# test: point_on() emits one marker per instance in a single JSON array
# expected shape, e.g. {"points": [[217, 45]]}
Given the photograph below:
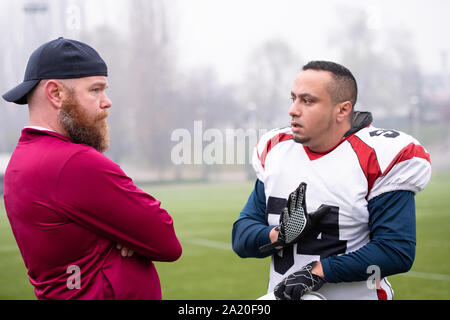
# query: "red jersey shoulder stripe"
{"points": [[272, 143], [368, 161], [410, 151]]}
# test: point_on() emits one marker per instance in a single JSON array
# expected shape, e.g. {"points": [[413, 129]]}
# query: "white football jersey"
{"points": [[364, 165]]}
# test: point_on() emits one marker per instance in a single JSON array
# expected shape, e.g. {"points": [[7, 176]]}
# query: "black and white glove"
{"points": [[295, 221], [294, 286]]}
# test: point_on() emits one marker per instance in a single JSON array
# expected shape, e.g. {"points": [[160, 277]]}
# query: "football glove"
{"points": [[295, 221], [294, 286]]}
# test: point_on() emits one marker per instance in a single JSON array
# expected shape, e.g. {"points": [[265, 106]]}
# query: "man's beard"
{"points": [[307, 138], [301, 140], [295, 137], [82, 128]]}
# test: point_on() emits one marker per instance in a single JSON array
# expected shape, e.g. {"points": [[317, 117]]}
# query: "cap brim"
{"points": [[18, 94]]}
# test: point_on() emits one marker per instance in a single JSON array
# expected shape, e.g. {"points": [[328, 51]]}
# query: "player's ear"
{"points": [[54, 92], [343, 110]]}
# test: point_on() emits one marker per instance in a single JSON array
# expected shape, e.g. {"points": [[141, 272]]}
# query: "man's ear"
{"points": [[344, 109], [54, 92]]}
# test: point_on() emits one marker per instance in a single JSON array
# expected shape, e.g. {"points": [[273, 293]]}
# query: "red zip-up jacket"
{"points": [[69, 206]]}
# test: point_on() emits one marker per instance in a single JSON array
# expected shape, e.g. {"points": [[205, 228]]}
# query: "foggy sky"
{"points": [[222, 33]]}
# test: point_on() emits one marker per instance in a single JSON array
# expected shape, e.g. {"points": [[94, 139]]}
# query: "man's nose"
{"points": [[294, 110], [106, 102]]}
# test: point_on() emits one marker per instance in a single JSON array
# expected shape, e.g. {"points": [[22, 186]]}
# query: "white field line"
{"points": [[6, 249], [435, 244], [208, 243], [426, 275]]}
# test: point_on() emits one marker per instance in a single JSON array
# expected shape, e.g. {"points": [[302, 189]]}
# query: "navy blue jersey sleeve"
{"points": [[251, 231], [392, 225]]}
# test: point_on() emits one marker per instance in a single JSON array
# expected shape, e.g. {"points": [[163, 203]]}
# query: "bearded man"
{"points": [[84, 230]]}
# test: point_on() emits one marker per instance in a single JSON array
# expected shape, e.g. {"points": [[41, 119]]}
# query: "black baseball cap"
{"points": [[58, 59]]}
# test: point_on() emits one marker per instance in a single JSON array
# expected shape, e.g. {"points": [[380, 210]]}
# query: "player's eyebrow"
{"points": [[304, 95]]}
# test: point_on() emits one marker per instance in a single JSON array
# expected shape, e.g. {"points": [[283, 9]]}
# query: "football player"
{"points": [[333, 202]]}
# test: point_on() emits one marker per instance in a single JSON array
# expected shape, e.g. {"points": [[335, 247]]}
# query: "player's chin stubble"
{"points": [[81, 128], [297, 138], [301, 140]]}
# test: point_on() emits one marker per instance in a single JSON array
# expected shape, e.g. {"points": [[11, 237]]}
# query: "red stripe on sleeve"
{"points": [[272, 143], [369, 162], [410, 151], [367, 159]]}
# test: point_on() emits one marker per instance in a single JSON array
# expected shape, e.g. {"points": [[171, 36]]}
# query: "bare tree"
{"points": [[151, 94], [384, 65], [271, 69]]}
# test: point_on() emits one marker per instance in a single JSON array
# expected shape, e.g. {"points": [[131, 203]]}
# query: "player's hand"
{"points": [[294, 286], [124, 251], [295, 221]]}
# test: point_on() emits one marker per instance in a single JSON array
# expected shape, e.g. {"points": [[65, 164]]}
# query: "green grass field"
{"points": [[209, 269]]}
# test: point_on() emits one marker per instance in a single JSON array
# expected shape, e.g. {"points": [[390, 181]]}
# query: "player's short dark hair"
{"points": [[344, 87]]}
